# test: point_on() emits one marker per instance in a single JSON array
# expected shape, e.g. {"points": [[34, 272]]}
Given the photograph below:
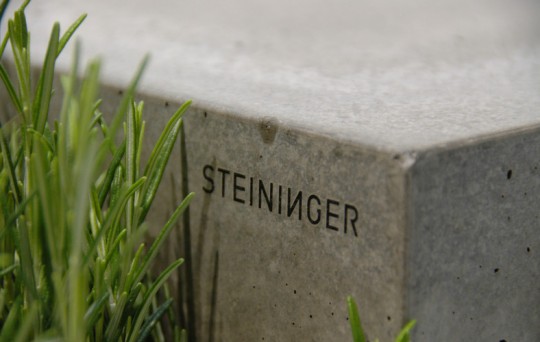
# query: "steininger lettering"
{"points": [[281, 200]]}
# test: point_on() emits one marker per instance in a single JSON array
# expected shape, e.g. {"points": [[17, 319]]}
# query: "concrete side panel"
{"points": [[474, 243], [268, 272]]}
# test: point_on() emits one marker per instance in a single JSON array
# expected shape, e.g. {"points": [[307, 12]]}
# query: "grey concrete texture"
{"points": [[391, 75], [472, 241], [414, 124]]}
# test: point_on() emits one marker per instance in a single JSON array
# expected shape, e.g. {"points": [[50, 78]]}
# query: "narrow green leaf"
{"points": [[183, 336], [149, 295], [112, 217], [69, 33], [98, 116], [95, 310], [162, 236], [22, 28], [88, 95], [40, 169], [4, 44], [3, 7], [404, 335], [10, 325], [6, 154], [28, 321], [22, 66], [20, 209], [42, 139], [122, 200], [134, 267], [354, 321], [112, 248], [96, 208], [68, 84], [116, 185], [44, 89], [26, 259], [3, 299], [8, 270], [109, 176], [151, 320], [10, 89], [159, 158], [127, 98], [131, 168], [132, 307], [24, 5], [113, 330], [140, 131]]}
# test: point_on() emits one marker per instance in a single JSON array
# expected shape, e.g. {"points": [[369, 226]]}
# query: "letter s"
{"points": [[208, 177]]}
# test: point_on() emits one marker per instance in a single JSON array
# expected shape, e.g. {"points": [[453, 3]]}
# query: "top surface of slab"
{"points": [[395, 75]]}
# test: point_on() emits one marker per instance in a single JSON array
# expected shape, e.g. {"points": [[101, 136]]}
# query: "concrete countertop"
{"points": [[396, 76]]}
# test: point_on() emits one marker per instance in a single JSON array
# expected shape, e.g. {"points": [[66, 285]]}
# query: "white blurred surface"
{"points": [[393, 75]]}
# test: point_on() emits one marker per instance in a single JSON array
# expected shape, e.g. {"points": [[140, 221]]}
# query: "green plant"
{"points": [[358, 332], [73, 202]]}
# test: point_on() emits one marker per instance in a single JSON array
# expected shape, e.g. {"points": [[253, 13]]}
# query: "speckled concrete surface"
{"points": [[399, 75], [413, 124]]}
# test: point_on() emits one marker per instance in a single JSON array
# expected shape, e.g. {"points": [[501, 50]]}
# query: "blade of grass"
{"points": [[354, 320], [8, 269], [404, 335], [39, 166], [20, 209], [127, 98], [116, 185], [113, 332], [112, 217], [6, 153], [159, 158], [22, 28], [151, 320], [68, 84], [95, 310], [114, 245], [44, 89], [2, 299], [10, 89], [134, 267], [161, 237], [107, 182], [25, 329], [69, 33], [10, 325], [42, 139], [3, 7], [4, 44], [19, 44], [24, 5], [22, 242], [122, 200], [149, 295], [131, 168]]}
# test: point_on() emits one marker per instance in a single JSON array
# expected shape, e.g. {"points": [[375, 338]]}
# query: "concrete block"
{"points": [[387, 151]]}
